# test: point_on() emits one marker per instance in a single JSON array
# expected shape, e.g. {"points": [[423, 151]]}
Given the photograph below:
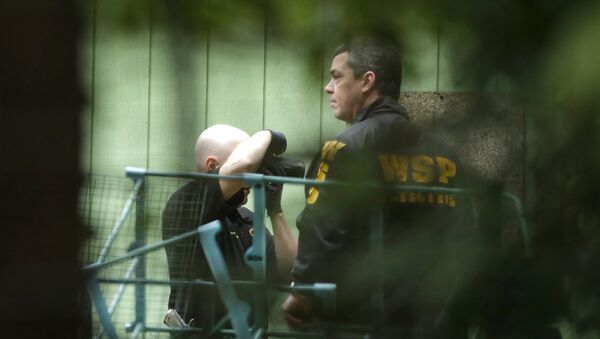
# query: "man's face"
{"points": [[242, 195], [346, 95]]}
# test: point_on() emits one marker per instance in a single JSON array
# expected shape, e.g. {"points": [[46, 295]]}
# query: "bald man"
{"points": [[226, 150]]}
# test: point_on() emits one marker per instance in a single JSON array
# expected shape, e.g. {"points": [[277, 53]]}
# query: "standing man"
{"points": [[225, 150], [378, 144]]}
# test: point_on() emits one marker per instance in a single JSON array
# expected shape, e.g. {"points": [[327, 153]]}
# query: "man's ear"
{"points": [[211, 163], [368, 81]]}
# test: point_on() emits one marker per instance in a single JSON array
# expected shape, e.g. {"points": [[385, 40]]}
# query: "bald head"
{"points": [[216, 144]]}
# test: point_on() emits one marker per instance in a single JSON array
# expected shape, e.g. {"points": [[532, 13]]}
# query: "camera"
{"points": [[281, 166]]}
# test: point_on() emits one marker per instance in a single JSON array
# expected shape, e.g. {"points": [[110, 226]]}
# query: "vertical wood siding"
{"points": [[146, 106]]}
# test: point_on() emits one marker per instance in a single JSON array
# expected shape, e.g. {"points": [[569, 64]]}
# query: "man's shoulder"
{"points": [[375, 130], [185, 192], [188, 196], [385, 122]]}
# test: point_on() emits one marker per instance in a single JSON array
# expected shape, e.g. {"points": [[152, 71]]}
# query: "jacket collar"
{"points": [[381, 105]]}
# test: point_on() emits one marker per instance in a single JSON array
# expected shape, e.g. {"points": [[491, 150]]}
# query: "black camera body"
{"points": [[281, 166]]}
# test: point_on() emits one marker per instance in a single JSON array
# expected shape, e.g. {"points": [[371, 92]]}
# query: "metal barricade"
{"points": [[255, 258]]}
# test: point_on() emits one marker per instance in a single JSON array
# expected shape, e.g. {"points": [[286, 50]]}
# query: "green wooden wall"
{"points": [[146, 108]]}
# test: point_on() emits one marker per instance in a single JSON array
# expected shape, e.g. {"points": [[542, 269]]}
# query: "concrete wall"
{"points": [[488, 134]]}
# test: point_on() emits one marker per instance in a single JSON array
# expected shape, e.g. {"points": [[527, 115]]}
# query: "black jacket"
{"points": [[379, 146], [196, 203]]}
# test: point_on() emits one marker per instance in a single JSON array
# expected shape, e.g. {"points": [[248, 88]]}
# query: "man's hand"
{"points": [[278, 143], [273, 192], [273, 198], [297, 311]]}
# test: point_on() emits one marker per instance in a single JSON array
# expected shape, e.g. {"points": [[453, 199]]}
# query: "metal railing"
{"points": [[254, 258]]}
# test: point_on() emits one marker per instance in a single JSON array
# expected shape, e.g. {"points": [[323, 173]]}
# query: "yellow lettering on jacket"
{"points": [[313, 192], [446, 169], [418, 198], [330, 149], [395, 167], [322, 173], [451, 200], [422, 167]]}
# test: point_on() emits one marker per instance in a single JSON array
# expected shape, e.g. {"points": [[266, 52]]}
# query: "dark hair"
{"points": [[379, 56]]}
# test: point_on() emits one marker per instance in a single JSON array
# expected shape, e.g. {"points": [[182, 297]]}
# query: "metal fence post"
{"points": [[238, 310], [140, 240], [256, 254], [98, 299]]}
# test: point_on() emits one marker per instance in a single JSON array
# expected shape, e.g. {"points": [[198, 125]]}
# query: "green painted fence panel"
{"points": [[293, 106], [86, 57], [121, 75], [420, 59], [236, 76], [177, 98], [292, 95], [453, 77]]}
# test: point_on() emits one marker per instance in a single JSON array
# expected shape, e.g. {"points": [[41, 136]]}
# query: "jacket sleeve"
{"points": [[272, 269], [324, 224], [321, 235]]}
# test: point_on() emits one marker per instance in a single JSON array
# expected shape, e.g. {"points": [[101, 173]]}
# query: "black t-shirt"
{"points": [[198, 202]]}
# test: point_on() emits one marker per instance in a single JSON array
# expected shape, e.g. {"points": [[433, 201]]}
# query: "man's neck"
{"points": [[369, 100]]}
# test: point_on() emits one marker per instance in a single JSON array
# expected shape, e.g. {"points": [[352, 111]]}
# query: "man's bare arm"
{"points": [[286, 245], [246, 157]]}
